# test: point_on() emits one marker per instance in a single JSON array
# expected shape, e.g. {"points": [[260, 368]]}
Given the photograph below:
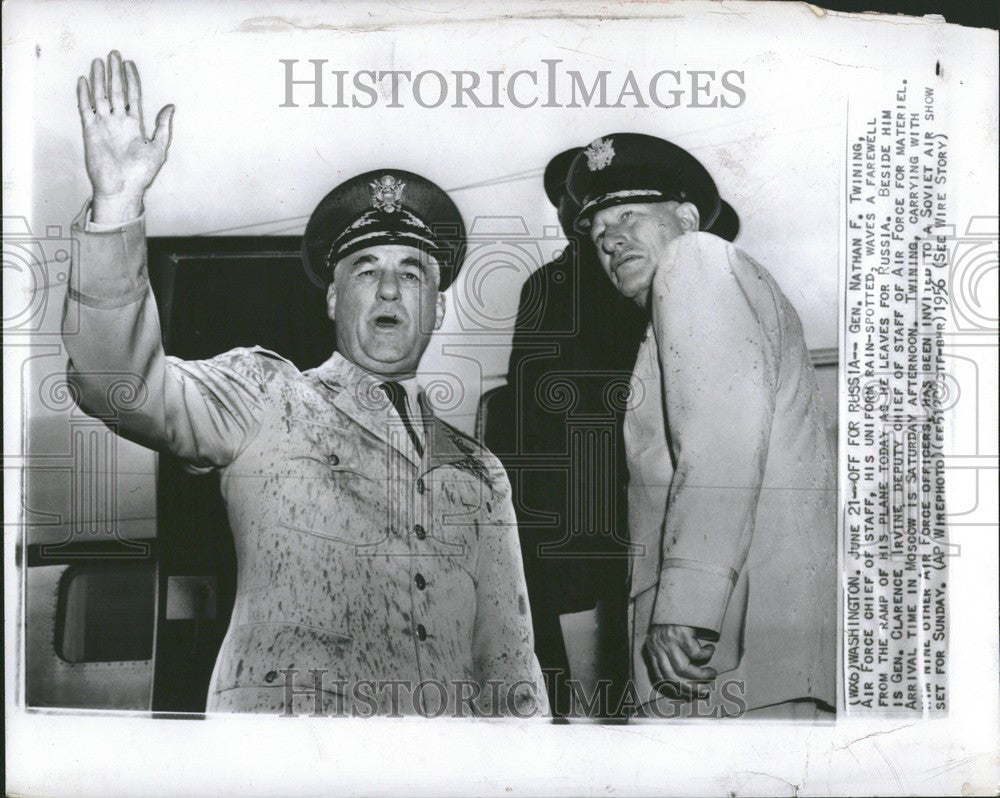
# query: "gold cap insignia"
{"points": [[387, 193], [599, 154]]}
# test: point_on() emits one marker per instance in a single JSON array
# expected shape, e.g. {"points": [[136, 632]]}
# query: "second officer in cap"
{"points": [[731, 476], [378, 562]]}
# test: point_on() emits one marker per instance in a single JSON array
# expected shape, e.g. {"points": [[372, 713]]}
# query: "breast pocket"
{"points": [[333, 489]]}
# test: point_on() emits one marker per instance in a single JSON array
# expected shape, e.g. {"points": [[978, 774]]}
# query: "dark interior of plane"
{"points": [[215, 294]]}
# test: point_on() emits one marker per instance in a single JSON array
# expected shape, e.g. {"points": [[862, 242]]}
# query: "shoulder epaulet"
{"points": [[270, 363], [256, 364], [262, 352]]}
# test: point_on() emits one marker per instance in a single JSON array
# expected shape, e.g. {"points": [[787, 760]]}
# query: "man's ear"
{"points": [[440, 305], [331, 301], [688, 216]]}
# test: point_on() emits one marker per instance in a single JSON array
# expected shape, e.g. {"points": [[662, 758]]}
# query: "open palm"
{"points": [[121, 161]]}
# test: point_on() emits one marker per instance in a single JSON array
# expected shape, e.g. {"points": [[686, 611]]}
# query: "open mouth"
{"points": [[386, 322]]}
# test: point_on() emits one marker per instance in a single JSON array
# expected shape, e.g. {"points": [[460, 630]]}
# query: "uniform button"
{"points": [[420, 532], [421, 632], [270, 676], [420, 486], [420, 581], [332, 459]]}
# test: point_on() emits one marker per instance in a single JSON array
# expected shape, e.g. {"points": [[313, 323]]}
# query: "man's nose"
{"points": [[613, 240], [388, 286]]}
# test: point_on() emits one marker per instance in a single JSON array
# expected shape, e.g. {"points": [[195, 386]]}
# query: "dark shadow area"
{"points": [[972, 14], [215, 294]]}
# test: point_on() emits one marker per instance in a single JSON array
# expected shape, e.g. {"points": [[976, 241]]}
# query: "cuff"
{"points": [[693, 593], [109, 261], [90, 226]]}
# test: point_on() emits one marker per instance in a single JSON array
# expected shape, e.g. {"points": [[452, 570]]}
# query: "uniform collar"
{"points": [[357, 394]]}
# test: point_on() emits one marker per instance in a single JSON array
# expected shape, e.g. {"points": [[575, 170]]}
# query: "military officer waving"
{"points": [[378, 560]]}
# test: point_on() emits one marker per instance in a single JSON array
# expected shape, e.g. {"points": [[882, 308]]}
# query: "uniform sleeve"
{"points": [[719, 382], [203, 412], [503, 644]]}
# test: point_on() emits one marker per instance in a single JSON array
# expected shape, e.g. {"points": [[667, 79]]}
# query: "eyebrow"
{"points": [[410, 260], [619, 210]]}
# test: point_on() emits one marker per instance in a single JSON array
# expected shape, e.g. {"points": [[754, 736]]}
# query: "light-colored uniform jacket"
{"points": [[732, 486], [355, 555]]}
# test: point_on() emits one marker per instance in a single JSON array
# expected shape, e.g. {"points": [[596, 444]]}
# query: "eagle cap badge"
{"points": [[387, 193], [599, 154]]}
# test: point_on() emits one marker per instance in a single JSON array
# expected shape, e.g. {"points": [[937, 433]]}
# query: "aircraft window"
{"points": [[106, 612]]}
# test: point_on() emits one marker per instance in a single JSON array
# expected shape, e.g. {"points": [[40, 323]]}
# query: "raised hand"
{"points": [[121, 161]]}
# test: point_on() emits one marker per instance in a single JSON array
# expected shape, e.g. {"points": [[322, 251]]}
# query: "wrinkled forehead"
{"points": [[394, 255]]}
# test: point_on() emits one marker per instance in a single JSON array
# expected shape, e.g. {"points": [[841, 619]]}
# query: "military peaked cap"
{"points": [[626, 168], [384, 206]]}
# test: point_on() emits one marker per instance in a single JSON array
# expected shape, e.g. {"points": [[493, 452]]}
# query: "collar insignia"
{"points": [[470, 460], [599, 154], [387, 193]]}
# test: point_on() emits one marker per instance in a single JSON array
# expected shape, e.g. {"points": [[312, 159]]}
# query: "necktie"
{"points": [[397, 395]]}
